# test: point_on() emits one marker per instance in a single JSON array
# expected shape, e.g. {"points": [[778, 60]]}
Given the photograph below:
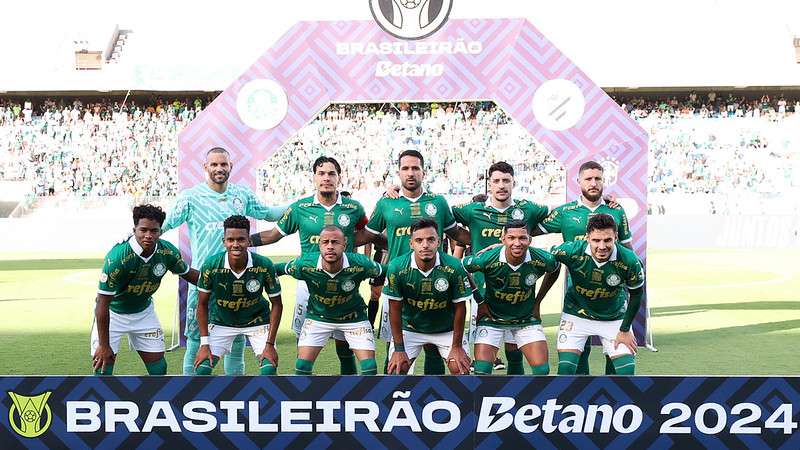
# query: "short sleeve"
{"points": [[288, 224], [377, 223], [176, 263], [392, 288], [461, 214], [179, 212], [204, 282], [624, 229], [448, 220], [460, 288], [273, 285], [111, 277], [635, 275], [551, 223]]}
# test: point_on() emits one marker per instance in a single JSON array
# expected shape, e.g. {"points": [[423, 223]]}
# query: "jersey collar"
{"points": [[249, 265], [488, 204], [412, 200], [138, 248], [503, 258], [328, 208], [414, 264], [601, 264], [602, 203], [345, 265]]}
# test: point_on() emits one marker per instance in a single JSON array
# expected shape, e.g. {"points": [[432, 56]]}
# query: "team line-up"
{"points": [[235, 293]]}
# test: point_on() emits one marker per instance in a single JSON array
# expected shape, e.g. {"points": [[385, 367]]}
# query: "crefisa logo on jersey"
{"points": [[29, 417], [410, 19]]}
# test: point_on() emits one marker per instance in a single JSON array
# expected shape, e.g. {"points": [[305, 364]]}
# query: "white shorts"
{"points": [[522, 336], [507, 337], [143, 330], [574, 330], [220, 338], [300, 309], [413, 343], [359, 335]]}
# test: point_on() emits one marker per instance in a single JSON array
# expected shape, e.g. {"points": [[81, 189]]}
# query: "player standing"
{"points": [[131, 274], [204, 208], [231, 302]]}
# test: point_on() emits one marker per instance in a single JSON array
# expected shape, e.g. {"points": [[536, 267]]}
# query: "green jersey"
{"points": [[396, 215], [131, 279], [308, 217], [427, 298], [485, 223], [511, 290], [333, 297], [571, 219], [598, 291], [237, 299]]}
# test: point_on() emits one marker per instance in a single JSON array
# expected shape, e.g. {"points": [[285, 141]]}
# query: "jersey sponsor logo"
{"points": [[348, 285], [238, 205], [333, 300], [515, 297], [253, 286], [145, 288], [430, 209], [213, 226], [402, 231], [427, 304], [103, 277], [517, 214], [594, 294], [441, 284], [313, 239], [530, 280], [492, 232], [343, 220], [239, 303], [159, 270], [613, 280]]}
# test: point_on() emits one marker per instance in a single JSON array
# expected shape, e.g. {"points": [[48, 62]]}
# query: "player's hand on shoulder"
{"points": [[392, 191], [484, 250], [611, 200]]}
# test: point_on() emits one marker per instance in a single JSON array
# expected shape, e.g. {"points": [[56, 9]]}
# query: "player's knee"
{"points": [[368, 366], [483, 367], [157, 367], [624, 365], [541, 369], [303, 367], [267, 368], [567, 363]]}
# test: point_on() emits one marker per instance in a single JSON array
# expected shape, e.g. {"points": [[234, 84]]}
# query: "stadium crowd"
{"points": [[719, 144]]}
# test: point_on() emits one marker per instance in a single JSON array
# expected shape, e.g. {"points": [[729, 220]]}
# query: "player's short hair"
{"points": [[413, 153], [480, 198], [515, 224], [421, 224], [326, 159], [590, 165], [217, 150], [501, 166], [149, 211], [600, 222], [331, 228], [237, 222], [347, 194]]}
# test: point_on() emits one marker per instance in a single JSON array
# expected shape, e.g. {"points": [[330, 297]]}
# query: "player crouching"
{"points": [[230, 301], [428, 290], [335, 307], [510, 302], [131, 274]]}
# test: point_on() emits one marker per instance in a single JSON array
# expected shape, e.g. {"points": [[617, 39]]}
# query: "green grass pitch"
{"points": [[713, 312]]}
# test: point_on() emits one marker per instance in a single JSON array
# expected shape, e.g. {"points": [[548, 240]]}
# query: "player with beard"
{"points": [[204, 208], [571, 219]]}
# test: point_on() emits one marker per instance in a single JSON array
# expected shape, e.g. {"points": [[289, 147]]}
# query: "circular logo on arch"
{"points": [[262, 104], [410, 19]]}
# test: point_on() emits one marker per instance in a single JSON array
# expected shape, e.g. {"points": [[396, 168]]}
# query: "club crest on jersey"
{"points": [[348, 285], [253, 286], [103, 277], [430, 209], [159, 270], [441, 284], [613, 280], [517, 214], [238, 205], [530, 280], [344, 220]]}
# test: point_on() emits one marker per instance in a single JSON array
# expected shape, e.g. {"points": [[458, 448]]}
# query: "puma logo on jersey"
{"points": [[577, 219], [313, 218], [223, 285], [399, 211], [488, 215]]}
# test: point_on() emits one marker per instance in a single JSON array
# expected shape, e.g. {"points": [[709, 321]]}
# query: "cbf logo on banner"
{"points": [[410, 19], [25, 415]]}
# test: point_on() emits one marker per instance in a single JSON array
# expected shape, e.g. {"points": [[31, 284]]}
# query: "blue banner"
{"points": [[393, 411]]}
